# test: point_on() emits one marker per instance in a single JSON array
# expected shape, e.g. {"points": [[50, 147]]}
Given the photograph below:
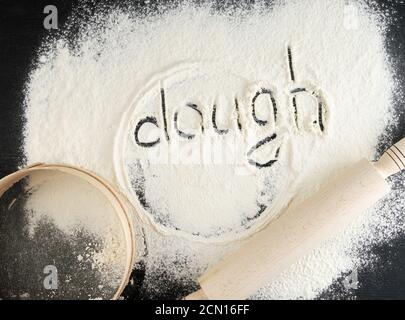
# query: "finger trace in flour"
{"points": [[203, 124]]}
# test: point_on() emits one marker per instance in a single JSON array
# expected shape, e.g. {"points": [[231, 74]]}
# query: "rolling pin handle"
{"points": [[393, 160], [197, 295]]}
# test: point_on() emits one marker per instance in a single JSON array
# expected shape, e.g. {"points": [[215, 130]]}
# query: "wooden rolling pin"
{"points": [[300, 229]]}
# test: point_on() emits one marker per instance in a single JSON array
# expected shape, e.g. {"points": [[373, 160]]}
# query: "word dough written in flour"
{"points": [[318, 120]]}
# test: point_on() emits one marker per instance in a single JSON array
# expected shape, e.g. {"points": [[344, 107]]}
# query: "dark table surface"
{"points": [[21, 32]]}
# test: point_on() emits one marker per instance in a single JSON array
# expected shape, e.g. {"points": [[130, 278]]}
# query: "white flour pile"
{"points": [[84, 103]]}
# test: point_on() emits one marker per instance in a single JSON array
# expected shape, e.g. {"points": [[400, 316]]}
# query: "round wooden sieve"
{"points": [[105, 188]]}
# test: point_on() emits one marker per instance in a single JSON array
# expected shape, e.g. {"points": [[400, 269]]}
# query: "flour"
{"points": [[83, 205], [73, 205], [62, 223], [84, 104]]}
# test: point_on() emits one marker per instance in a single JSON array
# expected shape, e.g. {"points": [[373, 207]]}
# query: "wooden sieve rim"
{"points": [[106, 189]]}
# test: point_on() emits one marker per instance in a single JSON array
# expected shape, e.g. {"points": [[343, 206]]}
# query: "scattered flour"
{"points": [[59, 223], [84, 101], [83, 205], [73, 205]]}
